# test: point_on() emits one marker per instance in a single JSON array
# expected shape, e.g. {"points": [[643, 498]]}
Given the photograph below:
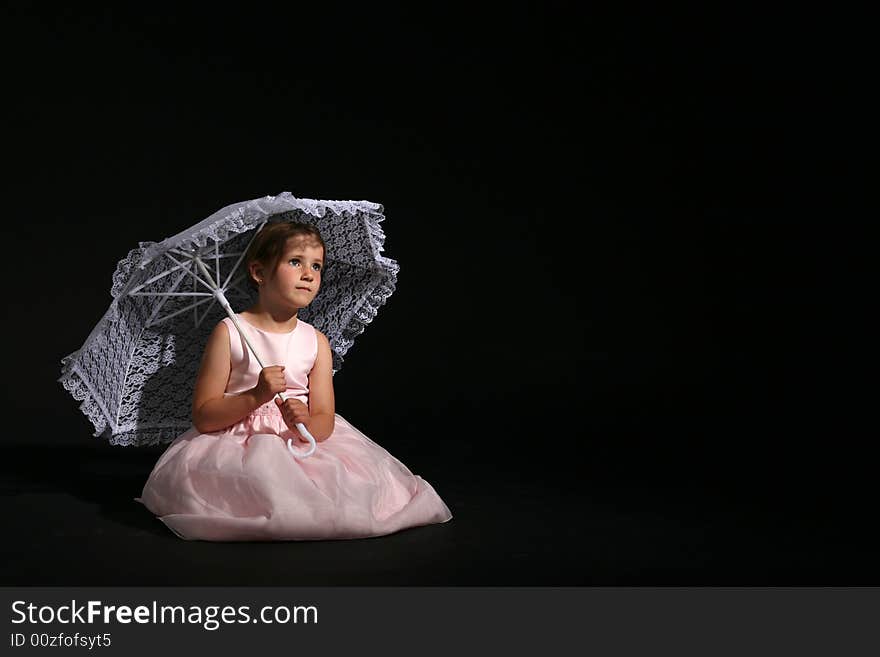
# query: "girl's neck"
{"points": [[272, 319]]}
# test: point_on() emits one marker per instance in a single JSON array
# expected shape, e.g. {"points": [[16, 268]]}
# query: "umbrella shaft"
{"points": [[221, 299]]}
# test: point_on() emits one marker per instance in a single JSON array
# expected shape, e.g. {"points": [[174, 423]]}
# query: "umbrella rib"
{"points": [[185, 254], [182, 310], [191, 271], [171, 294], [243, 252], [217, 256], [199, 320], [155, 278], [197, 260], [216, 278], [161, 304], [208, 309], [190, 255], [195, 287]]}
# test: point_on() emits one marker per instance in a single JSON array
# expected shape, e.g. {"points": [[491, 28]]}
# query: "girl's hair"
{"points": [[268, 245]]}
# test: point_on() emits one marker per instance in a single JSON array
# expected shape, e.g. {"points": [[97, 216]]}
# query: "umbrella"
{"points": [[135, 371]]}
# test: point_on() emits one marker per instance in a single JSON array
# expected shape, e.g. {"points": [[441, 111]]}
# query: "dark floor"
{"points": [[70, 520]]}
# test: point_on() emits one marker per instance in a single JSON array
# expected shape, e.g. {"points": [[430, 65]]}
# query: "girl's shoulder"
{"points": [[318, 335]]}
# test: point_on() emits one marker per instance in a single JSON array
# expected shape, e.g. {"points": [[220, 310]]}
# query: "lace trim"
{"points": [[78, 388], [141, 437]]}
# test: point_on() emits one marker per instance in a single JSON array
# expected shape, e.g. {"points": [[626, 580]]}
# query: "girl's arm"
{"points": [[322, 402], [211, 409]]}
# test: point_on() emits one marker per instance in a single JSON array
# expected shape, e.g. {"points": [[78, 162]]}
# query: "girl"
{"points": [[231, 477]]}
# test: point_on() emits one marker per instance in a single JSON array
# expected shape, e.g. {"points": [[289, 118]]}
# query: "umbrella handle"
{"points": [[310, 450], [302, 429]]}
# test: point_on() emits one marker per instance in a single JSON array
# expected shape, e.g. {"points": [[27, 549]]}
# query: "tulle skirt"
{"points": [[243, 484]]}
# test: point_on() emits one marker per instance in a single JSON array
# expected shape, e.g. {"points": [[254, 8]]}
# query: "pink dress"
{"points": [[243, 484]]}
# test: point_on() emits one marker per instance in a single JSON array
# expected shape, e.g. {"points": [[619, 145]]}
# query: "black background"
{"points": [[627, 342]]}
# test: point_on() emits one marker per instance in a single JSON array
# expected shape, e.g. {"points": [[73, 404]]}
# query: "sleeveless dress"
{"points": [[243, 484]]}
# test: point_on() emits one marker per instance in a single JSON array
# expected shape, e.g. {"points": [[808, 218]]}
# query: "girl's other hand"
{"points": [[271, 381], [293, 411]]}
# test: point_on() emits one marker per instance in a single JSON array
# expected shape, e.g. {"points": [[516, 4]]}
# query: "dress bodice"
{"points": [[296, 350]]}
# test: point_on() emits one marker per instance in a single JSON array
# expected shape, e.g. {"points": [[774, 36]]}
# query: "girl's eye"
{"points": [[292, 260]]}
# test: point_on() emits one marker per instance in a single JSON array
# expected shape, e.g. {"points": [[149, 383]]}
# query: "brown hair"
{"points": [[268, 245]]}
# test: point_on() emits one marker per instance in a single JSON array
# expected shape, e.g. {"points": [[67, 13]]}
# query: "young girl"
{"points": [[231, 477]]}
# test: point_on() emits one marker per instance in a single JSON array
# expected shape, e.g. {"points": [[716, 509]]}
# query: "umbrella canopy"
{"points": [[135, 372]]}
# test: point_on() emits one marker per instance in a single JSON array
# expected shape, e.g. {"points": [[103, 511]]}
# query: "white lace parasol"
{"points": [[135, 372]]}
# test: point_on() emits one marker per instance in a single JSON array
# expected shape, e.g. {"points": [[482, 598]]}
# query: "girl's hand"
{"points": [[270, 382], [293, 411]]}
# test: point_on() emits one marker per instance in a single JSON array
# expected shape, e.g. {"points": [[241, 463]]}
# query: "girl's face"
{"points": [[297, 276]]}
